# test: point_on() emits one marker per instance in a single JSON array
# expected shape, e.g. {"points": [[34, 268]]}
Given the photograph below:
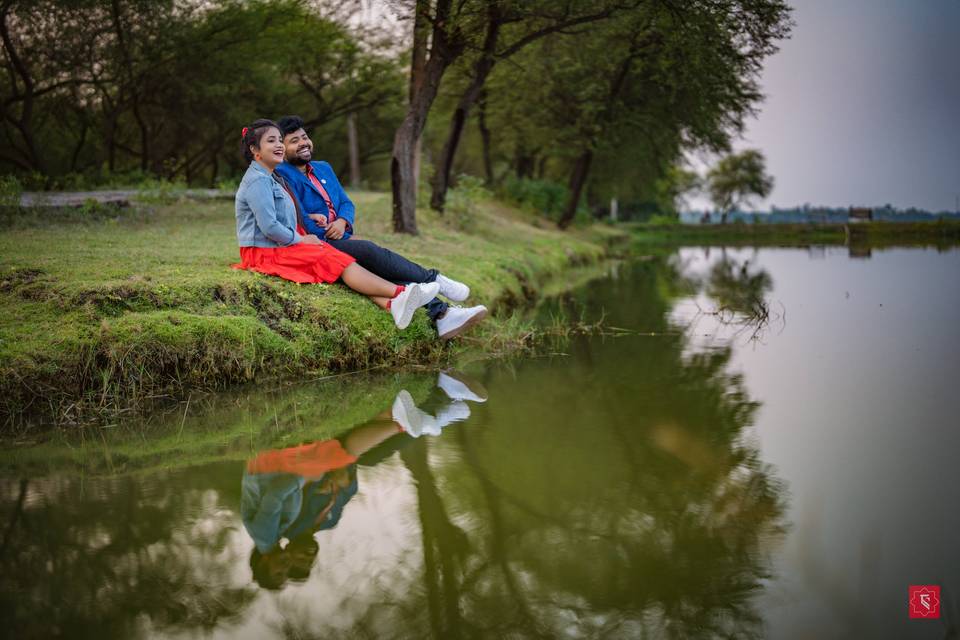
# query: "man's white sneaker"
{"points": [[413, 420], [456, 320], [459, 387], [456, 411], [451, 289], [413, 296]]}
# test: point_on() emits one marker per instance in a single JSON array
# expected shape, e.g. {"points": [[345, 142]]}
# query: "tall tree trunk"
{"points": [[481, 71], [581, 168], [578, 177], [353, 148], [18, 67], [424, 84], [485, 138]]}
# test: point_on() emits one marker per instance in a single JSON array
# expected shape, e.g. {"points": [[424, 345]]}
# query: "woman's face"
{"points": [[270, 152]]}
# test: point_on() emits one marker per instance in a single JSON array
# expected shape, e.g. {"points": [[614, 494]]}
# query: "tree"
{"points": [[672, 189], [738, 178], [510, 25], [448, 28]]}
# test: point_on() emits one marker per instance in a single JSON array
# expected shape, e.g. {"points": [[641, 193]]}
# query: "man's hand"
{"points": [[336, 229], [319, 218], [311, 239]]}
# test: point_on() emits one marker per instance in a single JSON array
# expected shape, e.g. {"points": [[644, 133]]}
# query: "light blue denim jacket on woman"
{"points": [[266, 215]]}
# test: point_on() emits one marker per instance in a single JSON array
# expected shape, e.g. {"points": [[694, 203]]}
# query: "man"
{"points": [[328, 213]]}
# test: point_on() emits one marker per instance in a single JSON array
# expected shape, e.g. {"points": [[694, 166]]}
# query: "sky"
{"points": [[863, 106]]}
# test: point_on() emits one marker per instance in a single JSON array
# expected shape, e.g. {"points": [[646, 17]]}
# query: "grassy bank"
{"points": [[100, 316], [940, 234]]}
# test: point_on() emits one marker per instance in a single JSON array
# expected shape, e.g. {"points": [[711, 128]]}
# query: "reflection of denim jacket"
{"points": [[266, 214], [269, 504]]}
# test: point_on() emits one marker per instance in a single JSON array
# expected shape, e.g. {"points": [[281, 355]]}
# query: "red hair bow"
{"points": [[243, 134]]}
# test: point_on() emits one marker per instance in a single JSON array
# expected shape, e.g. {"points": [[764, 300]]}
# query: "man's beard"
{"points": [[297, 161]]}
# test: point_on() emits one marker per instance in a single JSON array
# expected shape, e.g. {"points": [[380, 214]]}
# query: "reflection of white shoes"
{"points": [[456, 411], [413, 296], [451, 289], [459, 387], [411, 418], [456, 320]]}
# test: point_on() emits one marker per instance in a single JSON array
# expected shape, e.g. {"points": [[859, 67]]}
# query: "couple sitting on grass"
{"points": [[295, 221]]}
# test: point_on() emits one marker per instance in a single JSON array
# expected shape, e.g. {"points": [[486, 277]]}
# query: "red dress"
{"points": [[301, 262]]}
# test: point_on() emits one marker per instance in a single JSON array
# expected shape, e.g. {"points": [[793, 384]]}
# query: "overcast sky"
{"points": [[863, 106]]}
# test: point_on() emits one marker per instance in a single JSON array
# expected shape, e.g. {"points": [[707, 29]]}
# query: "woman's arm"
{"points": [[261, 202]]}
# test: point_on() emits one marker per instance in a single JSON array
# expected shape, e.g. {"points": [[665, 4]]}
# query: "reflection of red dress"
{"points": [[307, 460], [301, 262]]}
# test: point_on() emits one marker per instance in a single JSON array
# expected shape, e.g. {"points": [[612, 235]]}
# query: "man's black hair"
{"points": [[289, 124]]}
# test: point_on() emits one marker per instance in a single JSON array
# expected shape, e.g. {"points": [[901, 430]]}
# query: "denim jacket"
{"points": [[266, 214], [310, 199]]}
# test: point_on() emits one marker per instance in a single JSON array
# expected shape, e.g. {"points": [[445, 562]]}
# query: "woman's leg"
{"points": [[362, 281]]}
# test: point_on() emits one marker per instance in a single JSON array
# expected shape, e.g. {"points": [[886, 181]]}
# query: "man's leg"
{"points": [[391, 266]]}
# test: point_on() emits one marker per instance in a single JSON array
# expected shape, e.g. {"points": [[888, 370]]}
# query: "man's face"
{"points": [[297, 148]]}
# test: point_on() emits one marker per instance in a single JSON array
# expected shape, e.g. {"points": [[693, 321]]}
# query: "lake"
{"points": [[746, 443]]}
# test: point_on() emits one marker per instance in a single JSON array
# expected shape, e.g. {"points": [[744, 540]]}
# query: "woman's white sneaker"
{"points": [[456, 320], [413, 296], [451, 289]]}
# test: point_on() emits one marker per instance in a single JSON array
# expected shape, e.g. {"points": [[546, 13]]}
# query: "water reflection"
{"points": [[290, 494]]}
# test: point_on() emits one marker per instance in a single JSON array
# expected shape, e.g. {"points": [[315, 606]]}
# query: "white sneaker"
{"points": [[456, 411], [458, 387], [451, 289], [413, 296], [456, 320], [414, 421]]}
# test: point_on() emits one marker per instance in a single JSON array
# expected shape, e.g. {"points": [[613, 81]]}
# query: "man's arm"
{"points": [[341, 202]]}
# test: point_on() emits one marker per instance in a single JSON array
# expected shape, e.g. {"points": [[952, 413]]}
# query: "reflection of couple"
{"points": [[286, 203], [290, 494]]}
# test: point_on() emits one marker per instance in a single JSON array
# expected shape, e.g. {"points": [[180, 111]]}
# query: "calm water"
{"points": [[763, 443]]}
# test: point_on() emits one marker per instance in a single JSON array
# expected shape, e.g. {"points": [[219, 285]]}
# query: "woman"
{"points": [[272, 243]]}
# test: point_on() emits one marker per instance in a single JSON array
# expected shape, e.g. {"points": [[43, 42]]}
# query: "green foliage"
{"points": [[163, 88], [663, 220], [10, 191], [543, 196], [672, 189], [737, 178], [463, 201], [160, 191]]}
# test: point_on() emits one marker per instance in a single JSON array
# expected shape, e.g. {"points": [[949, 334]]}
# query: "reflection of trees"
{"points": [[739, 287], [623, 501], [102, 560]]}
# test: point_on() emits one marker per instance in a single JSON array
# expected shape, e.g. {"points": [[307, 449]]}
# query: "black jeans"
{"points": [[390, 266]]}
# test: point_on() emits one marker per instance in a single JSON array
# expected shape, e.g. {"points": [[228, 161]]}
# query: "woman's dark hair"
{"points": [[250, 136], [289, 124]]}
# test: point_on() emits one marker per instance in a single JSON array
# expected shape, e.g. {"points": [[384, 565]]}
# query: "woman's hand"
{"points": [[311, 239], [319, 218]]}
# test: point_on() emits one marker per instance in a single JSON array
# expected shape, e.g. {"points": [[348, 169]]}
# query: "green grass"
{"points": [[102, 316]]}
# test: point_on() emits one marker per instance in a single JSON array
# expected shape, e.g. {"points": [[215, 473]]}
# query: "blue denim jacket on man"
{"points": [[310, 199], [266, 214]]}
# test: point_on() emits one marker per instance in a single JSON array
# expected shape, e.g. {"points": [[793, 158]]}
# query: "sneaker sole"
{"points": [[474, 319]]}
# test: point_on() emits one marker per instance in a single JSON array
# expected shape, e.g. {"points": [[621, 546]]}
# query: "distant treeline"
{"points": [[595, 98]]}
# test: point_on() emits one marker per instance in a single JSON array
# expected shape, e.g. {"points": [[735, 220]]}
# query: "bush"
{"points": [[663, 220], [543, 196], [10, 191], [462, 201]]}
